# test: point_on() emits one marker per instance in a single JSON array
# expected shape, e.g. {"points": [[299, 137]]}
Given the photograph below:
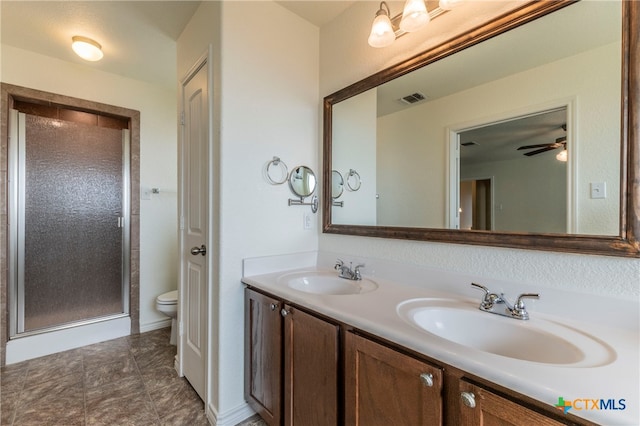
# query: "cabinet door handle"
{"points": [[273, 306], [468, 399], [427, 379], [284, 312]]}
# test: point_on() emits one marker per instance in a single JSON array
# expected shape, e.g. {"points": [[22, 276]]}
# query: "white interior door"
{"points": [[194, 229]]}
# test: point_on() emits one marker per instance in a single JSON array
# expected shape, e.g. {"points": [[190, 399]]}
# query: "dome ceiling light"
{"points": [[86, 48]]}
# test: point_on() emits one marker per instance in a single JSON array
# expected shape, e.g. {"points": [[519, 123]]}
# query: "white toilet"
{"points": [[167, 303]]}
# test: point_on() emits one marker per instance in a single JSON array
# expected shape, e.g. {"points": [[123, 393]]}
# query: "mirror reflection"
{"points": [[337, 184], [437, 140], [302, 181]]}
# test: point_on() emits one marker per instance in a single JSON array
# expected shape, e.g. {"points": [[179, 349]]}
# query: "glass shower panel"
{"points": [[73, 235]]}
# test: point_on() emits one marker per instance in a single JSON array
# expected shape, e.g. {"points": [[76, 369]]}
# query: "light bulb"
{"points": [[562, 155], [382, 33], [414, 16], [449, 4]]}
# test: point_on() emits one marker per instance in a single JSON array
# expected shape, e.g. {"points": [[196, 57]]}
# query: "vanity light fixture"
{"points": [[415, 16], [382, 32], [86, 48]]}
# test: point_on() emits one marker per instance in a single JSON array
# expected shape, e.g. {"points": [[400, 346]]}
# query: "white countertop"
{"points": [[375, 312]]}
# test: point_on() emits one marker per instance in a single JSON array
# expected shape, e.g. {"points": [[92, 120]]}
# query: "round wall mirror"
{"points": [[337, 184], [302, 181]]}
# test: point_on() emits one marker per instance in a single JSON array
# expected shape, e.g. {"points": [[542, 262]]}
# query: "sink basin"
{"points": [[535, 340], [325, 283]]}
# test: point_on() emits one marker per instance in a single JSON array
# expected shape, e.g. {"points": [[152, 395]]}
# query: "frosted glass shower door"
{"points": [[71, 232]]}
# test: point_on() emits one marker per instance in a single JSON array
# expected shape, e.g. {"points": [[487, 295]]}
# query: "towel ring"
{"points": [[353, 180], [278, 167]]}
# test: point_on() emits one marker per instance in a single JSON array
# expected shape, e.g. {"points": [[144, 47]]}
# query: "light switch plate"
{"points": [[598, 190]]}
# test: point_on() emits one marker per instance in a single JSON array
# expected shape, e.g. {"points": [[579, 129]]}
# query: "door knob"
{"points": [[199, 250]]}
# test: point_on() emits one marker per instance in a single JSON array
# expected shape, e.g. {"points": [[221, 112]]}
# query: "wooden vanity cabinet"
{"points": [[291, 363], [386, 387], [302, 370], [311, 357], [481, 407], [263, 356]]}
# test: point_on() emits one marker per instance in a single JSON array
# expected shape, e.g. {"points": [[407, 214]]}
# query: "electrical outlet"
{"points": [[307, 222]]}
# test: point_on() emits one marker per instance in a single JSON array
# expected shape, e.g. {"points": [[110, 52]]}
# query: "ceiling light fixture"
{"points": [[415, 16], [562, 155], [86, 48]]}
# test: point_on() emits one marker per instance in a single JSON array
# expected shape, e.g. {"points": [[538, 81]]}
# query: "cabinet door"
{"points": [[311, 369], [385, 387], [263, 356], [478, 406]]}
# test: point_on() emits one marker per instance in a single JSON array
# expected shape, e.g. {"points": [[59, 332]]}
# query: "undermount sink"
{"points": [[535, 340], [320, 282]]}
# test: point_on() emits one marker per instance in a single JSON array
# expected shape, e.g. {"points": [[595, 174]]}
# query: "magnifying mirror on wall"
{"points": [[337, 188], [302, 182]]}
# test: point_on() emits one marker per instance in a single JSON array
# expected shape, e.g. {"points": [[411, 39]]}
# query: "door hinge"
{"points": [[181, 223], [120, 222], [182, 118]]}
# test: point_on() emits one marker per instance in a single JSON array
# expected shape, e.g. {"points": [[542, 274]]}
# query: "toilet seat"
{"points": [[169, 298]]}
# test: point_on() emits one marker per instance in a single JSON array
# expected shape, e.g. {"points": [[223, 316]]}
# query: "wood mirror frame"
{"points": [[626, 244]]}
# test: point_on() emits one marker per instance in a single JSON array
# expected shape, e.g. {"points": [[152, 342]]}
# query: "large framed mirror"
{"points": [[521, 133]]}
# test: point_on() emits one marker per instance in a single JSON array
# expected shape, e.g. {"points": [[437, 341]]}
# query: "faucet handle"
{"points": [[356, 271], [481, 287], [339, 264], [520, 304], [489, 298], [519, 310]]}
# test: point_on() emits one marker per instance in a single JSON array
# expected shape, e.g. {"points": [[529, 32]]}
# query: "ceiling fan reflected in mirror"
{"points": [[544, 147]]}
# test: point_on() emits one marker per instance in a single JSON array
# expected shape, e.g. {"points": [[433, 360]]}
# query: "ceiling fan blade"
{"points": [[561, 140], [540, 151], [541, 145]]}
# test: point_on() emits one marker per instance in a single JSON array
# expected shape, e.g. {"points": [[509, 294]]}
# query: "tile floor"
{"points": [[126, 381]]}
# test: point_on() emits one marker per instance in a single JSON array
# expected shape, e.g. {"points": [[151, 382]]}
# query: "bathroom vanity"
{"points": [[368, 357]]}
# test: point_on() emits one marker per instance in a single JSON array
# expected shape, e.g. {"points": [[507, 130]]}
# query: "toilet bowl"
{"points": [[167, 303]]}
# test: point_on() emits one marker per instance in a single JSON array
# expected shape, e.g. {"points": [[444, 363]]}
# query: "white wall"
{"points": [[157, 154], [268, 105], [415, 138], [529, 193], [355, 124], [345, 59]]}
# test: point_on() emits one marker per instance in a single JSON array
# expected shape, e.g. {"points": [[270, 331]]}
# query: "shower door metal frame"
{"points": [[16, 252]]}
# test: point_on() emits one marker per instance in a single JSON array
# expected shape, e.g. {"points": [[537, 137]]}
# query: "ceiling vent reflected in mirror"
{"points": [[414, 98]]}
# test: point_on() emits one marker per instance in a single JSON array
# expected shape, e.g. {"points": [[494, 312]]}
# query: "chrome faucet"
{"points": [[347, 272], [517, 310]]}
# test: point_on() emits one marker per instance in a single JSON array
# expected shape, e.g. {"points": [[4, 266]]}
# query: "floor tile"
{"points": [[96, 375], [66, 408], [179, 405], [128, 381]]}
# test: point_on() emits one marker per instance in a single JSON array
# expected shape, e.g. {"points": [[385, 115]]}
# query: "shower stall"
{"points": [[69, 224]]}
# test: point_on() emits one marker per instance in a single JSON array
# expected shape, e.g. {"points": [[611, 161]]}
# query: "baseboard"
{"points": [[156, 325], [230, 418]]}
